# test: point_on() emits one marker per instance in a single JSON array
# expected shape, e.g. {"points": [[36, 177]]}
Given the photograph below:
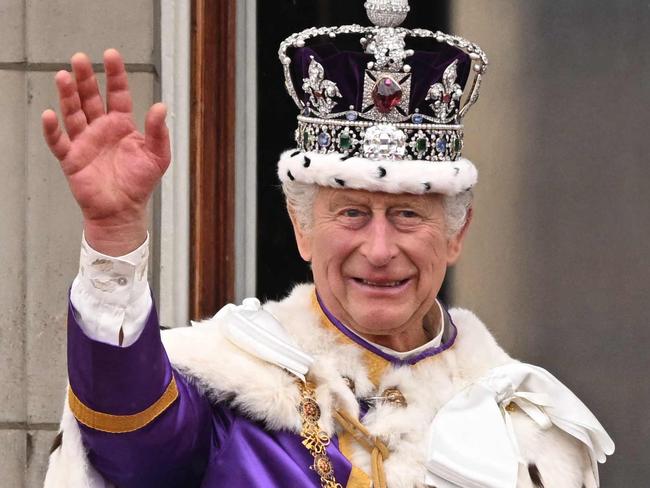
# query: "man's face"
{"points": [[378, 259]]}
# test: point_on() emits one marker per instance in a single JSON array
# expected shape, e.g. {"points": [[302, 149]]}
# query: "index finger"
{"points": [[118, 96]]}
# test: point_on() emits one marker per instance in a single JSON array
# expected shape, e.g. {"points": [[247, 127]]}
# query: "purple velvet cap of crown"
{"points": [[347, 69]]}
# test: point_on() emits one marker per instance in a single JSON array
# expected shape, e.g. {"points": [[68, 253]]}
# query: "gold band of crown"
{"points": [[120, 424]]}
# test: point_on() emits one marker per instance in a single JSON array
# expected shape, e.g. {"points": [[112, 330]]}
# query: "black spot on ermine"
{"points": [[382, 171], [58, 442], [427, 186], [307, 162], [535, 476], [339, 182], [294, 154], [291, 177]]}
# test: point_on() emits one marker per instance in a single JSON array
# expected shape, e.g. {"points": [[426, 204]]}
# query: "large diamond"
{"points": [[386, 94], [384, 141]]}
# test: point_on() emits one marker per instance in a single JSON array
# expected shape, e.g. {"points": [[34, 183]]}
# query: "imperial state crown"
{"points": [[381, 94]]}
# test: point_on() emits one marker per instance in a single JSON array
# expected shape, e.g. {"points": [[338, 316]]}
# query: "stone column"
{"points": [[40, 225]]}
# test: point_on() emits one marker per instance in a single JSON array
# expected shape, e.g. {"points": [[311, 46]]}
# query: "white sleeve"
{"points": [[111, 295]]}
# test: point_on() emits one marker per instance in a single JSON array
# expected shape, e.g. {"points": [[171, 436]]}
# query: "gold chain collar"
{"points": [[313, 438], [316, 440]]}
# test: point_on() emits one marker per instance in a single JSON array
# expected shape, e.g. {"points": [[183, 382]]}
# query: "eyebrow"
{"points": [[343, 200]]}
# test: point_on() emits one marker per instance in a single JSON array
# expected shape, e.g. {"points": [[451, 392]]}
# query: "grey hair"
{"points": [[457, 208], [300, 200]]}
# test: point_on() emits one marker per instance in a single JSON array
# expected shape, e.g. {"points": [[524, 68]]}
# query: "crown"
{"points": [[397, 95]]}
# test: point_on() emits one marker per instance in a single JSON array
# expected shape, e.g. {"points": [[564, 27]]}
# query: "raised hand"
{"points": [[111, 168]]}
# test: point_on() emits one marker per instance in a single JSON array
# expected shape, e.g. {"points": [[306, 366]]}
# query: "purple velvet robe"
{"points": [[193, 443]]}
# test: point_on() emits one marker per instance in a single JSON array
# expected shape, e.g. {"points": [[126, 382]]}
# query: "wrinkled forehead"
{"points": [[333, 198]]}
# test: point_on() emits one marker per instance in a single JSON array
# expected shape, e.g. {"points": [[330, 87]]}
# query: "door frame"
{"points": [[212, 156]]}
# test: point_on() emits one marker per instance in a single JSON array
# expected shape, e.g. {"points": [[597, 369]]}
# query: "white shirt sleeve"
{"points": [[111, 294]]}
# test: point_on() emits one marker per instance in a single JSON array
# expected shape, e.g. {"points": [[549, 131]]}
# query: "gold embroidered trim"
{"points": [[120, 424], [313, 438]]}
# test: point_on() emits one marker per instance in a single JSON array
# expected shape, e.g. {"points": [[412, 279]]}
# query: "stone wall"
{"points": [[557, 257], [40, 226]]}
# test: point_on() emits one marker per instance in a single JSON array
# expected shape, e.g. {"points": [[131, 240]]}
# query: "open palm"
{"points": [[112, 169]]}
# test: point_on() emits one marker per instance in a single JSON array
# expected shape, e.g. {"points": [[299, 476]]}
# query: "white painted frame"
{"points": [[246, 151], [174, 238]]}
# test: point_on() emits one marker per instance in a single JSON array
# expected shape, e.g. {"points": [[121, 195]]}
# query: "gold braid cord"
{"points": [[314, 439], [378, 450]]}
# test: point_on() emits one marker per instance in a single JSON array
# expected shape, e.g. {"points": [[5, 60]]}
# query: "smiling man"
{"points": [[379, 260], [360, 379]]}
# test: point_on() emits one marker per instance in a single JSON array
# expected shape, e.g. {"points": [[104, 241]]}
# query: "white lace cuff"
{"points": [[111, 294]]}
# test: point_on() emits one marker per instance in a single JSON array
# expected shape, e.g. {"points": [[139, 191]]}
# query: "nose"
{"points": [[380, 242]]}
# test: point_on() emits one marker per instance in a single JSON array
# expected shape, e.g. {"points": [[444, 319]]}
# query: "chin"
{"points": [[381, 323]]}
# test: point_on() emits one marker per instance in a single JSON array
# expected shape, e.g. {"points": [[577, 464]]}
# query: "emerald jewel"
{"points": [[345, 141], [421, 144]]}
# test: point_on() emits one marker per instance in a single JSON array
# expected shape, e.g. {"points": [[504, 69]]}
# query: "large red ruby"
{"points": [[386, 94]]}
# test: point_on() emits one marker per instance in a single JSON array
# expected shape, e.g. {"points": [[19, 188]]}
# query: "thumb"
{"points": [[156, 134]]}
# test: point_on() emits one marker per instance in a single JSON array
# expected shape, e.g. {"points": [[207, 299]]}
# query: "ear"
{"points": [[455, 243], [303, 237]]}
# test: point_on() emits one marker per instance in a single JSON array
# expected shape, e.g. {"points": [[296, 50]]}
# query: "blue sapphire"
{"points": [[441, 145], [417, 118], [324, 139], [351, 115]]}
